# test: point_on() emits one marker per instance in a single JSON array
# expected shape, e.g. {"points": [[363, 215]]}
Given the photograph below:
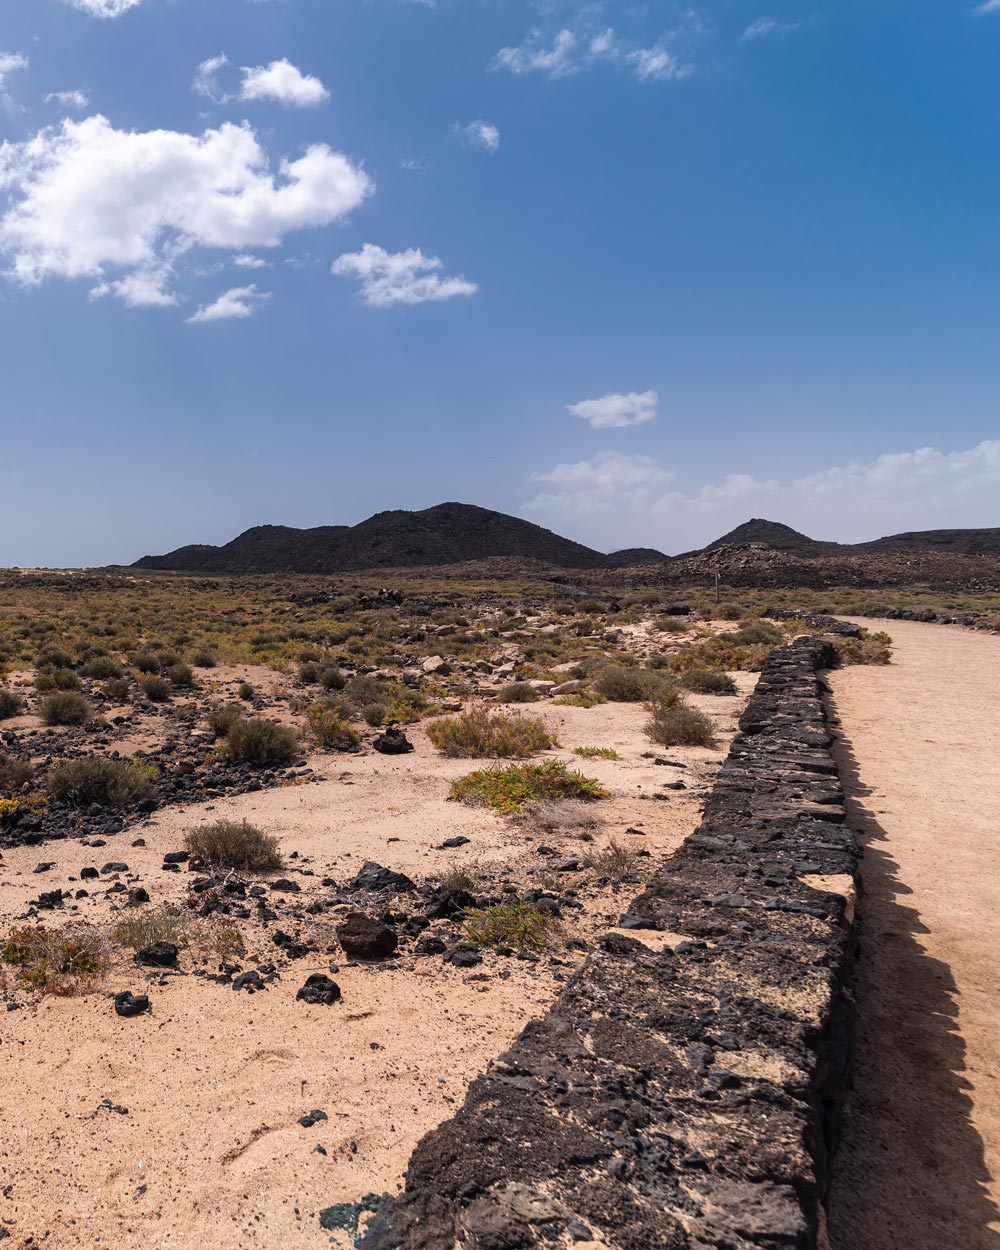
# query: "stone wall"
{"points": [[684, 1090]]}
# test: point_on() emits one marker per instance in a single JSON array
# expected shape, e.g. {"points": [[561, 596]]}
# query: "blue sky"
{"points": [[634, 272]]}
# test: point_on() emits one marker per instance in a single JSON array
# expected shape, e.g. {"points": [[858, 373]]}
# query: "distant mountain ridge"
{"points": [[458, 533]]}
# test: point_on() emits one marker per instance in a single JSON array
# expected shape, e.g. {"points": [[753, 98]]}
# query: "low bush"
{"points": [[672, 624], [705, 681], [180, 676], [597, 753], [331, 678], [67, 960], [57, 679], [363, 690], [515, 788], [519, 925], [97, 779], [581, 698], [756, 633], [53, 657], [118, 689], [868, 649], [245, 692], [146, 662], [14, 773], [203, 659], [629, 685], [330, 726], [309, 672], [11, 703], [234, 844], [616, 860], [481, 733], [156, 689], [519, 692], [102, 667], [675, 723], [254, 740], [374, 714], [65, 708], [222, 717]]}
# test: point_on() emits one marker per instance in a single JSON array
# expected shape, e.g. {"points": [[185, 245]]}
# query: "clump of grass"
{"points": [[519, 925], [757, 633], [597, 753], [705, 681], [63, 961], [222, 717], [144, 926], [519, 692], [234, 844], [672, 624], [57, 679], [118, 689], [14, 773], [464, 880], [253, 740], [330, 677], [203, 659], [567, 818], [629, 685], [330, 726], [180, 676], [514, 788], [156, 689], [102, 667], [481, 733], [65, 708], [616, 860], [675, 723], [581, 698], [11, 703], [245, 691], [868, 649], [97, 779]]}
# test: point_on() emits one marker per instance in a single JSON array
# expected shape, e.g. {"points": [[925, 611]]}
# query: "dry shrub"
{"points": [[260, 742], [481, 733], [65, 708], [14, 773], [11, 703], [102, 667], [518, 925], [222, 717], [97, 779], [519, 692], [629, 685], [330, 726], [234, 844], [568, 818], [705, 681], [156, 689], [144, 926], [616, 860], [67, 960], [674, 723], [868, 649]]}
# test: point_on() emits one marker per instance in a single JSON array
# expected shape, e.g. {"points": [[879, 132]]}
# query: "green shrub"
{"points": [[146, 662], [97, 779], [156, 689], [222, 717], [629, 685], [582, 698], [512, 789], [118, 689], [65, 708], [484, 734], [57, 679], [11, 703], [254, 740], [245, 691], [102, 667], [309, 672], [234, 844], [672, 624], [757, 633], [704, 681], [597, 753], [203, 659], [374, 714], [363, 690], [868, 649], [53, 657], [330, 726], [180, 676], [519, 692], [14, 773], [331, 678], [675, 723], [519, 925]]}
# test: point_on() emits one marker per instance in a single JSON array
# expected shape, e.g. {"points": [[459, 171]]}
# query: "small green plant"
{"points": [[519, 925], [581, 698], [65, 708], [629, 685], [675, 723], [222, 717], [11, 703], [512, 789], [97, 779], [480, 733], [14, 773], [705, 681], [254, 740], [156, 688], [597, 753], [519, 692], [330, 726], [234, 844]]}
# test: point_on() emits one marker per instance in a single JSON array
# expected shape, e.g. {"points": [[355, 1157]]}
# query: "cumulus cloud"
{"points": [[9, 62], [284, 82], [105, 8], [241, 301], [68, 99], [573, 50], [533, 55], [479, 134], [84, 200], [407, 277], [247, 260], [206, 79], [615, 411], [922, 489]]}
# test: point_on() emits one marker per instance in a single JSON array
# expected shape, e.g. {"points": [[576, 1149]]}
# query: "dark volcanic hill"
{"points": [[772, 534], [958, 542], [450, 533]]}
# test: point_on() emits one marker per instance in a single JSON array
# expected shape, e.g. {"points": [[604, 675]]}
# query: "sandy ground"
{"points": [[919, 1167], [214, 1082]]}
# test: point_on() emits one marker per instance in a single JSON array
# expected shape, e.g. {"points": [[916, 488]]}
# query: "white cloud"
{"points": [[68, 99], [657, 63], [407, 277], [241, 301], [9, 62], [615, 411], [206, 80], [772, 26], [105, 8], [915, 490], [86, 200], [990, 6], [479, 134], [143, 288], [284, 82], [532, 55], [248, 261]]}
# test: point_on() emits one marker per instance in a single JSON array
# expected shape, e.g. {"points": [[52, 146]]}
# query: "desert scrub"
{"points": [[261, 742], [245, 692], [597, 753], [180, 676], [102, 667], [581, 698], [14, 773], [57, 679], [203, 659], [705, 681], [868, 649], [673, 723], [481, 733], [629, 685], [67, 960], [97, 779], [329, 726], [616, 860], [156, 689], [234, 844], [142, 927], [65, 708], [117, 689], [513, 789], [518, 692], [518, 925], [11, 703], [672, 624], [222, 717]]}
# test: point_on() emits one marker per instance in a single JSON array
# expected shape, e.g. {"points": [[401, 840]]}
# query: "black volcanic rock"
{"points": [[771, 534]]}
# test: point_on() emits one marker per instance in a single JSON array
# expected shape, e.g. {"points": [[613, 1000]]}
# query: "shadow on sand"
{"points": [[910, 1173]]}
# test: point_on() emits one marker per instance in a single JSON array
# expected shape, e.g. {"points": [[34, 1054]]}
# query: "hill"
{"points": [[450, 533]]}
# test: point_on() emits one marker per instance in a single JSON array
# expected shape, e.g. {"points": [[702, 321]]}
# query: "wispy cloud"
{"points": [[615, 411], [9, 62], [408, 277], [240, 302], [479, 134], [572, 50], [69, 99], [764, 26], [104, 8]]}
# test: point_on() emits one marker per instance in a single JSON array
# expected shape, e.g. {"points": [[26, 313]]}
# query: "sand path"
{"points": [[919, 1166]]}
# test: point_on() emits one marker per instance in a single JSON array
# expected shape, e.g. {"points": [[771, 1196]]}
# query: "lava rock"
{"points": [[375, 878], [363, 937], [312, 1117], [393, 742], [128, 1004], [319, 990], [158, 955]]}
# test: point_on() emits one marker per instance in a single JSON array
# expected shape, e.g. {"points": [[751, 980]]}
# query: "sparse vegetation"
{"points": [[156, 688], [518, 692], [514, 788], [581, 698], [65, 708], [222, 717], [870, 648], [616, 860], [235, 844], [62, 961], [330, 726], [704, 681], [675, 723], [597, 753], [629, 685], [481, 733], [254, 740], [14, 773], [97, 779], [11, 703], [102, 667], [519, 925]]}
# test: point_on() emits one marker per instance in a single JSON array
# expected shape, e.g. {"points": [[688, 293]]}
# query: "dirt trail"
{"points": [[919, 1167]]}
